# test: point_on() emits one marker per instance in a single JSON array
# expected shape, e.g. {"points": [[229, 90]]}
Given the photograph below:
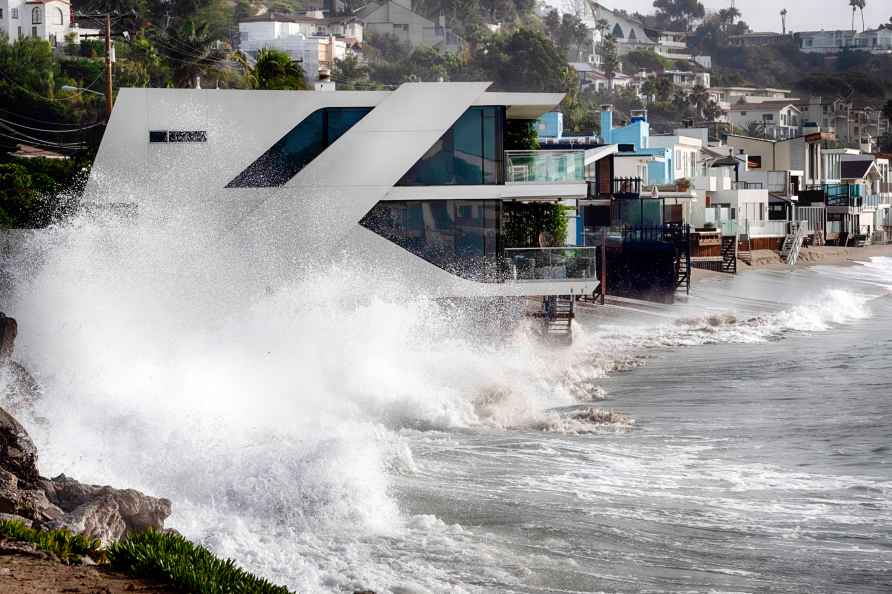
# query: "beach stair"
{"points": [[745, 249], [557, 318], [683, 271], [793, 244], [729, 253]]}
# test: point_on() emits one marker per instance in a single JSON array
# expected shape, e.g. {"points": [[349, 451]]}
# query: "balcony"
{"points": [[545, 167], [549, 264]]}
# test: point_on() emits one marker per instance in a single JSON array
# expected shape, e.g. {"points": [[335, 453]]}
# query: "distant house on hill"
{"points": [[777, 119], [313, 40], [876, 41], [45, 19], [396, 18], [758, 39], [631, 34]]}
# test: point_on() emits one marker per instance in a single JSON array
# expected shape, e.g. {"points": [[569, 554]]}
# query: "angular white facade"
{"points": [[195, 157]]}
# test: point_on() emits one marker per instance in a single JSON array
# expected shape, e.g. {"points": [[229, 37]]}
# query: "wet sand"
{"points": [[811, 256]]}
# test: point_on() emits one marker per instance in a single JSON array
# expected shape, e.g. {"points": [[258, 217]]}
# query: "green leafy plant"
{"points": [[69, 548], [185, 565]]}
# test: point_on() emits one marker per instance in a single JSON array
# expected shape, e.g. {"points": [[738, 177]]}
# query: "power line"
{"points": [[88, 127]]}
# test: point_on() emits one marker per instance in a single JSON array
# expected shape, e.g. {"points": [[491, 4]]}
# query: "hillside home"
{"points": [[309, 40], [44, 19], [758, 39], [775, 119], [875, 41], [631, 34], [397, 18], [590, 77]]}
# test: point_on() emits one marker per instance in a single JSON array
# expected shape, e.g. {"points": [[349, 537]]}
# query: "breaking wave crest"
{"points": [[272, 414]]}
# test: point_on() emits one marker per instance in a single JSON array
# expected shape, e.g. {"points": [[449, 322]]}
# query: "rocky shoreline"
{"points": [[97, 511]]}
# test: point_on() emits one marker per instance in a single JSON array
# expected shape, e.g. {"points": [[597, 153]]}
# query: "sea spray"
{"points": [[275, 415]]}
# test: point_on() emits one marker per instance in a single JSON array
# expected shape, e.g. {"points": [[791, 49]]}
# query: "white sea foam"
{"points": [[274, 414]]}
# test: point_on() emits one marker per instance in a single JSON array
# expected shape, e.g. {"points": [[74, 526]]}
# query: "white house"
{"points": [[590, 77], [307, 39], [685, 153], [395, 17], [875, 41], [777, 119], [631, 34], [45, 19], [385, 180]]}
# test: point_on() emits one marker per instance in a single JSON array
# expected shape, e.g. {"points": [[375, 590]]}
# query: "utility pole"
{"points": [[109, 50]]}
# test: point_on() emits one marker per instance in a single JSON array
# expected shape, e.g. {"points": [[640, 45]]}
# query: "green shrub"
{"points": [[69, 548], [187, 566]]}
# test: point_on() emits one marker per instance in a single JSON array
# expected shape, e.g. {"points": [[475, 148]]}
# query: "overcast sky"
{"points": [[803, 15]]}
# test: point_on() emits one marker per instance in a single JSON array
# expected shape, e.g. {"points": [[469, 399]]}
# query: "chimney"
{"points": [[607, 124]]}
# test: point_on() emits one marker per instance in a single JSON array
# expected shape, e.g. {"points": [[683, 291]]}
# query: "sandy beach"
{"points": [[811, 256]]}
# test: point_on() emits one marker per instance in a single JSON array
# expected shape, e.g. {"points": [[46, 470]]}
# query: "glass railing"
{"points": [[561, 263], [766, 228], [544, 167]]}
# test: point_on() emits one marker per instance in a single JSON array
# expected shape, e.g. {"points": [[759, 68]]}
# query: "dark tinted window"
{"points": [[469, 153], [158, 136], [302, 144], [459, 236]]}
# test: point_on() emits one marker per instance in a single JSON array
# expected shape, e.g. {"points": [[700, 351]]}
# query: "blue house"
{"points": [[635, 135]]}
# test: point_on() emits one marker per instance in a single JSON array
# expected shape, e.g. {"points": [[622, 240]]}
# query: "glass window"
{"points": [[459, 236], [469, 153], [35, 16], [15, 13], [299, 147], [58, 17]]}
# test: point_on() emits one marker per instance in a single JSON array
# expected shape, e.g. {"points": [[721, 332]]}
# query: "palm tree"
{"points": [[275, 70], [783, 14], [856, 5], [192, 50], [699, 100]]}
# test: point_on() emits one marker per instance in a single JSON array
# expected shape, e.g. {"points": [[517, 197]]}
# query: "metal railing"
{"points": [[559, 263], [544, 167], [626, 187]]}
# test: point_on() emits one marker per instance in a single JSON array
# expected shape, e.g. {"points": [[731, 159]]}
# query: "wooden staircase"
{"points": [[729, 253]]}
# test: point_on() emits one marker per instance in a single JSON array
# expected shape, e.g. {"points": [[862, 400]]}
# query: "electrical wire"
{"points": [[80, 146], [88, 127]]}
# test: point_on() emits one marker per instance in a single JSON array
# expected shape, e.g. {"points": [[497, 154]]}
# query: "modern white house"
{"points": [[45, 19], [775, 119], [415, 182]]}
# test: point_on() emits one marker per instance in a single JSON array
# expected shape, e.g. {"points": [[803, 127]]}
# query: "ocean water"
{"points": [[333, 439]]}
